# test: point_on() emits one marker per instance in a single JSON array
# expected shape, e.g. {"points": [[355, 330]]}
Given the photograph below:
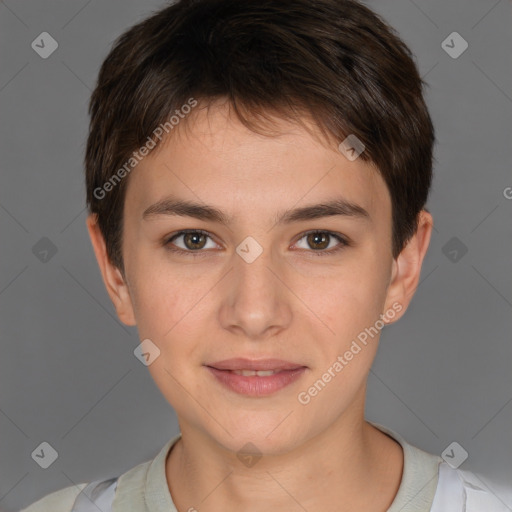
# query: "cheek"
{"points": [[349, 299], [349, 305], [173, 308], [169, 312], [163, 294], [165, 304]]}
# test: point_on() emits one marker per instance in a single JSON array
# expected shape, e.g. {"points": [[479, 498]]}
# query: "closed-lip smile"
{"points": [[255, 377]]}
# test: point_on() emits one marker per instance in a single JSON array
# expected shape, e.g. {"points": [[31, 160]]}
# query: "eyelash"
{"points": [[200, 253]]}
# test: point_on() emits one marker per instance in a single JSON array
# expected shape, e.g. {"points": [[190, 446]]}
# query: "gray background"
{"points": [[68, 373]]}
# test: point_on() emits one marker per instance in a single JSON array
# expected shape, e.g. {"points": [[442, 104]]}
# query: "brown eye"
{"points": [[194, 241], [318, 242], [191, 242]]}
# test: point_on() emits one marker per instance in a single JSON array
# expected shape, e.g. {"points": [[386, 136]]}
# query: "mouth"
{"points": [[255, 378], [254, 373], [256, 365]]}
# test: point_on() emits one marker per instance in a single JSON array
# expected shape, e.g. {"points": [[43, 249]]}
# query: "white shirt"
{"points": [[428, 484]]}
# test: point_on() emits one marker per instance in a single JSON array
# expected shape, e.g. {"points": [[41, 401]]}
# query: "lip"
{"points": [[241, 363], [256, 386]]}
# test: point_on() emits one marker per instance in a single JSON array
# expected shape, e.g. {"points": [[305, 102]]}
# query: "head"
{"points": [[297, 247]]}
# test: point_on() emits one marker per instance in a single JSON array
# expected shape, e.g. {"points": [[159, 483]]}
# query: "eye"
{"points": [[193, 241], [321, 240]]}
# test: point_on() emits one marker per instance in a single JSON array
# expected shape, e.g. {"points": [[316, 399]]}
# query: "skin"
{"points": [[289, 303]]}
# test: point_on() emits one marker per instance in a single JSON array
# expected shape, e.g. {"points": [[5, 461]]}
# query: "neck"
{"points": [[352, 466]]}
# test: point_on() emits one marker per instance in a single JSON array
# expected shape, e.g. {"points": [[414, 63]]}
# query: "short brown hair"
{"points": [[334, 60]]}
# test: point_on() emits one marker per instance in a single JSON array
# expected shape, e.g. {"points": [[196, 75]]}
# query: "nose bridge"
{"points": [[254, 279], [258, 268], [255, 301]]}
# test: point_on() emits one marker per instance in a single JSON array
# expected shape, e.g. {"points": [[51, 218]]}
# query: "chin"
{"points": [[268, 436]]}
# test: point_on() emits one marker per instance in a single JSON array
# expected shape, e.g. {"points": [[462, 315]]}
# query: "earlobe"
{"points": [[407, 266], [112, 278]]}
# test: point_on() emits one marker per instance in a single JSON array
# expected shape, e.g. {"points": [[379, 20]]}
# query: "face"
{"points": [[254, 278]]}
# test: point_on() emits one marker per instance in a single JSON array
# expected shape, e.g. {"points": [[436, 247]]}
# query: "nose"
{"points": [[256, 301]]}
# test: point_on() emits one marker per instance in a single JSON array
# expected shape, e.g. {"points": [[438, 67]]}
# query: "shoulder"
{"points": [[463, 490], [85, 497], [58, 501]]}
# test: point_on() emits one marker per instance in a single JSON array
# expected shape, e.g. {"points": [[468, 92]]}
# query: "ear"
{"points": [[406, 270], [114, 281]]}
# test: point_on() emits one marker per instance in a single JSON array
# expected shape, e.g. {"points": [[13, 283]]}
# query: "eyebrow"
{"points": [[335, 207]]}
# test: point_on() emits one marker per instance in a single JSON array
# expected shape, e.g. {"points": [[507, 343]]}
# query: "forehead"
{"points": [[216, 160]]}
